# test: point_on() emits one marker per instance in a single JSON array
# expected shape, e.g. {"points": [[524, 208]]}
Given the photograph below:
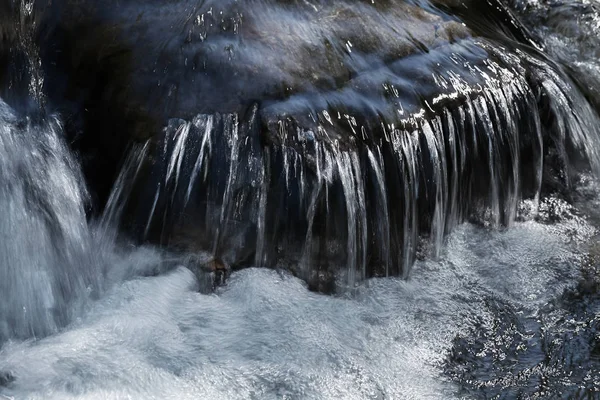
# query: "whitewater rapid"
{"points": [[265, 336], [489, 310]]}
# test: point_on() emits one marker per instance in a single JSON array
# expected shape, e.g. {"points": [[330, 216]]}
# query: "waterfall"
{"points": [[430, 165], [342, 199], [47, 264]]}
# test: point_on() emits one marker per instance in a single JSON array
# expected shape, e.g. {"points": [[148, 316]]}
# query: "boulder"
{"points": [[331, 138]]}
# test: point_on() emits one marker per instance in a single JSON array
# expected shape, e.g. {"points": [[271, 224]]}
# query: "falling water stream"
{"points": [[455, 274]]}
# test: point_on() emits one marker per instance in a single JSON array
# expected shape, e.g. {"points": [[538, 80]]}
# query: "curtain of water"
{"points": [[323, 205], [46, 262]]}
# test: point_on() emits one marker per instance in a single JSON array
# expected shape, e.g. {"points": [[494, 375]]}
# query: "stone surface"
{"points": [[325, 136]]}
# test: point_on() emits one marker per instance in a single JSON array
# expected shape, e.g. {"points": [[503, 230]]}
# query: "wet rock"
{"points": [[590, 272], [568, 29], [119, 72], [6, 378], [326, 136], [219, 270], [210, 271]]}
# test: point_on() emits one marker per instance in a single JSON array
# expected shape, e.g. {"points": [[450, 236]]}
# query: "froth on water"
{"points": [[265, 335]]}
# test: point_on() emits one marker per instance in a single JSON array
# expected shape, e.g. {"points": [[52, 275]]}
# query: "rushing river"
{"points": [[502, 304]]}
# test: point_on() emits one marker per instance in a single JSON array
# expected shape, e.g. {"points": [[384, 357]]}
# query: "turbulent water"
{"points": [[490, 312], [499, 313], [504, 305], [45, 237]]}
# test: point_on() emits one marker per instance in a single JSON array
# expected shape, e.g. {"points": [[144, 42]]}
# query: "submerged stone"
{"points": [[6, 378]]}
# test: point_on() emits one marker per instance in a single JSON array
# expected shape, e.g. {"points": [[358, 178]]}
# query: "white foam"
{"points": [[266, 336]]}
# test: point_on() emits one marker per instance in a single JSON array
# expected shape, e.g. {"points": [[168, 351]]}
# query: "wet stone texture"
{"points": [[549, 352], [569, 32], [327, 137], [553, 354]]}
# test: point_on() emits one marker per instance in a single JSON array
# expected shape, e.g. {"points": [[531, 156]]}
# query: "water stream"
{"points": [[456, 264]]}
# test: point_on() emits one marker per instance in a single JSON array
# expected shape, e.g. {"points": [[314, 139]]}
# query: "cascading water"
{"points": [[46, 248], [389, 184], [346, 209]]}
